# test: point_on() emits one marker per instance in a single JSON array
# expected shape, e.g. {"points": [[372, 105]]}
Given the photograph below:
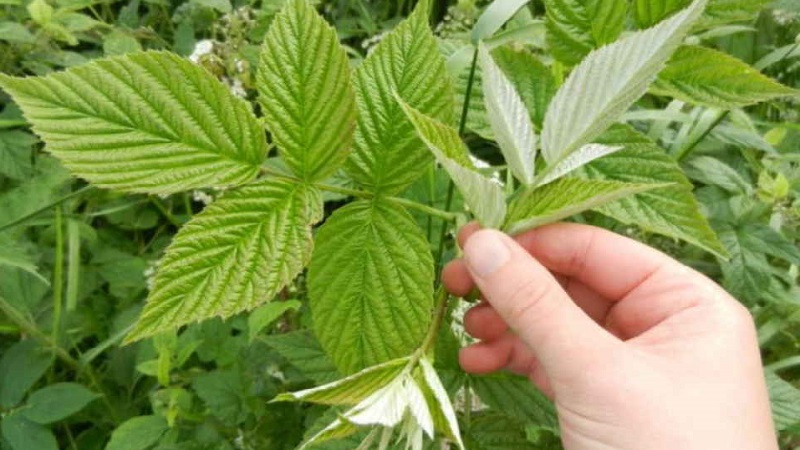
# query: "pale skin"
{"points": [[636, 350]]}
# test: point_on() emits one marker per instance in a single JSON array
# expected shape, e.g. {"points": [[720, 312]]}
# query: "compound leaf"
{"points": [[370, 284], [235, 255], [509, 120], [576, 27], [608, 82], [149, 122], [484, 197], [672, 210], [388, 154], [708, 77], [564, 198], [304, 86]]}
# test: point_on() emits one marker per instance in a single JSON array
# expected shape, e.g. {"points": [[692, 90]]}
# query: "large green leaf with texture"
{"points": [[370, 284], [576, 27], [647, 13], [671, 211], [304, 88], [388, 154], [537, 206], [235, 255], [483, 195], [785, 401], [494, 431], [708, 77], [608, 82], [147, 122]]}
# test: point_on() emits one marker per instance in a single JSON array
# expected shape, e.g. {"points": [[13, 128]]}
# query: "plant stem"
{"points": [[682, 153], [164, 211], [58, 280], [444, 215], [440, 309]]}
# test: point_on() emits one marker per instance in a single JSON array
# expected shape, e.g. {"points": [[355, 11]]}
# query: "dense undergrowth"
{"points": [[77, 261]]}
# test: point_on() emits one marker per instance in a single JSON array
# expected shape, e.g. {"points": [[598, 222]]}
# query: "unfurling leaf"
{"points": [[234, 256], [483, 196], [370, 284], [509, 120], [304, 87], [564, 198], [708, 77], [388, 154], [608, 82], [148, 122]]}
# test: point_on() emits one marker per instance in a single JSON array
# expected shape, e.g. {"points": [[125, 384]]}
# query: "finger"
{"points": [[466, 231], [456, 278], [533, 304], [506, 353], [483, 322], [610, 264]]}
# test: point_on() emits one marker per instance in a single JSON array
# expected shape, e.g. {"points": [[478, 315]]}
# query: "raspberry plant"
{"points": [[152, 122]]}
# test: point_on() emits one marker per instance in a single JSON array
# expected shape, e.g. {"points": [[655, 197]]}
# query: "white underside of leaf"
{"points": [[608, 82], [509, 119], [576, 160]]}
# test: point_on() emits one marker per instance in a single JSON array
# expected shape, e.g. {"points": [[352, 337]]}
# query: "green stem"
{"points": [[164, 211], [440, 310], [444, 215], [58, 280], [681, 155]]}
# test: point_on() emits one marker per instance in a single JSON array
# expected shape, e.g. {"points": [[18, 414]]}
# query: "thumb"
{"points": [[533, 304]]}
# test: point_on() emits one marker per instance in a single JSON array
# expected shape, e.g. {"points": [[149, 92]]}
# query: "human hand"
{"points": [[638, 351]]}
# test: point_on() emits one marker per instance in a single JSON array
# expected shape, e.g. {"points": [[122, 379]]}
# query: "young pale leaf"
{"points": [[671, 211], [494, 17], [147, 122], [235, 255], [304, 88], [509, 120], [350, 390], [442, 408], [565, 198], [576, 160], [576, 27], [388, 154], [608, 82], [484, 197], [372, 271], [707, 77]]}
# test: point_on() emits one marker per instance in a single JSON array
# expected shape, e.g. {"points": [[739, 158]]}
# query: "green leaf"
{"points": [[20, 368], [235, 255], [120, 42], [372, 271], [671, 211], [57, 401], [302, 350], [714, 172], [516, 397], [138, 433], [719, 12], [352, 389], [388, 155], [484, 197], [22, 434], [785, 399], [147, 122], [224, 392], [265, 315], [762, 238], [649, 12], [708, 77], [493, 431], [564, 198], [13, 254], [35, 193], [494, 17], [509, 119], [15, 154], [608, 82], [15, 32], [576, 27], [304, 88]]}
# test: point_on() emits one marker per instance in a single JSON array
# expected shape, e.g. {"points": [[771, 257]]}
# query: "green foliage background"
{"points": [[76, 262]]}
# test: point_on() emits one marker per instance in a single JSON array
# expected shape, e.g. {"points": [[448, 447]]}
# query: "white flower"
{"points": [[201, 48]]}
